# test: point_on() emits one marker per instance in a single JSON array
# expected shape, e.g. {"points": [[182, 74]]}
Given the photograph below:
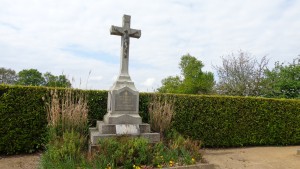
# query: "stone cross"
{"points": [[122, 117], [125, 32]]}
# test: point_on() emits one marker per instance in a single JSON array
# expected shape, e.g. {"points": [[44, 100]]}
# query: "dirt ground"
{"points": [[238, 158], [28, 161], [254, 158]]}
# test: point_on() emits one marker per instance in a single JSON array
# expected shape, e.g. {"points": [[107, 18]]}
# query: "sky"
{"points": [[72, 37]]}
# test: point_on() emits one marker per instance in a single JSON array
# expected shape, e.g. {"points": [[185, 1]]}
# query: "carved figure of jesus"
{"points": [[125, 32]]}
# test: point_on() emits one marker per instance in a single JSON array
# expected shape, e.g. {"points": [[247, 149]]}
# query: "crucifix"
{"points": [[125, 32], [122, 117]]}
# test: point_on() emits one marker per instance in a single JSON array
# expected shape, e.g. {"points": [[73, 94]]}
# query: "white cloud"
{"points": [[96, 78], [149, 82], [34, 34]]}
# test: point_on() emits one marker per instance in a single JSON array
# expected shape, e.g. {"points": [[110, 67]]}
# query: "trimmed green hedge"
{"points": [[22, 119], [218, 121], [238, 121]]}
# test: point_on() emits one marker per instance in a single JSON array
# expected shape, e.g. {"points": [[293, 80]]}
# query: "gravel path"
{"points": [[254, 158], [28, 161]]}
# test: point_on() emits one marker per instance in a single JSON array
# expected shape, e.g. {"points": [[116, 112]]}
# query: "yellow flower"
{"points": [[108, 166], [136, 167], [171, 163], [193, 160]]}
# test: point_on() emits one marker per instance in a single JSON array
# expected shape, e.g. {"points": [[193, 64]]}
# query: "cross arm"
{"points": [[115, 30], [135, 33]]}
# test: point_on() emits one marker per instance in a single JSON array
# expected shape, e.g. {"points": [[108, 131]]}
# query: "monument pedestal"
{"points": [[122, 118], [123, 104]]}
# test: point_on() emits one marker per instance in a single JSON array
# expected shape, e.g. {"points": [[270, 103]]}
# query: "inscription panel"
{"points": [[125, 101], [124, 129]]}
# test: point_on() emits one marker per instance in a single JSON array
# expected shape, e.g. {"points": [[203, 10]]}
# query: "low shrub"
{"points": [[66, 151], [123, 151], [128, 152]]}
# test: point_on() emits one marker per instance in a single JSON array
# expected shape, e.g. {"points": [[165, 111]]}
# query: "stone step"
{"points": [[95, 136], [106, 128], [111, 128]]}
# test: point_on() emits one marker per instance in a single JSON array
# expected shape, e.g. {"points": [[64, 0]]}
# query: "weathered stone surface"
{"points": [[106, 128], [103, 130], [123, 107], [96, 135], [125, 129], [123, 98], [122, 119], [111, 128], [125, 32], [145, 128], [126, 101]]}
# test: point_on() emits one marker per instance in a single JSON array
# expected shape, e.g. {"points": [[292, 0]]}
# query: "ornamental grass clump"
{"points": [[67, 125], [161, 111], [67, 110]]}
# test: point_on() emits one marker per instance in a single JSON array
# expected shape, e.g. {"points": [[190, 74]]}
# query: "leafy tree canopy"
{"points": [[30, 77], [283, 81], [192, 81], [240, 74], [56, 81], [7, 76]]}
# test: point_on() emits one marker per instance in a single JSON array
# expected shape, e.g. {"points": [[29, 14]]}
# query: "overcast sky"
{"points": [[72, 36]]}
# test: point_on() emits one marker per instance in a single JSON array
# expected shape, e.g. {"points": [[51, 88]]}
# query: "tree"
{"points": [[192, 81], [30, 77], [63, 81], [241, 75], [283, 81], [50, 80], [7, 76], [171, 85], [56, 81]]}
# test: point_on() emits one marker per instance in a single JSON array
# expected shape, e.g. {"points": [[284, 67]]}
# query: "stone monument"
{"points": [[122, 116]]}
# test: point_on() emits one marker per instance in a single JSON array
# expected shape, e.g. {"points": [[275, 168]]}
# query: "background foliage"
{"points": [[283, 81], [32, 77], [241, 75], [192, 80], [7, 76]]}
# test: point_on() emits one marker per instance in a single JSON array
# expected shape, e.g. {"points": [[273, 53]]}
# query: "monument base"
{"points": [[122, 119], [104, 130]]}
